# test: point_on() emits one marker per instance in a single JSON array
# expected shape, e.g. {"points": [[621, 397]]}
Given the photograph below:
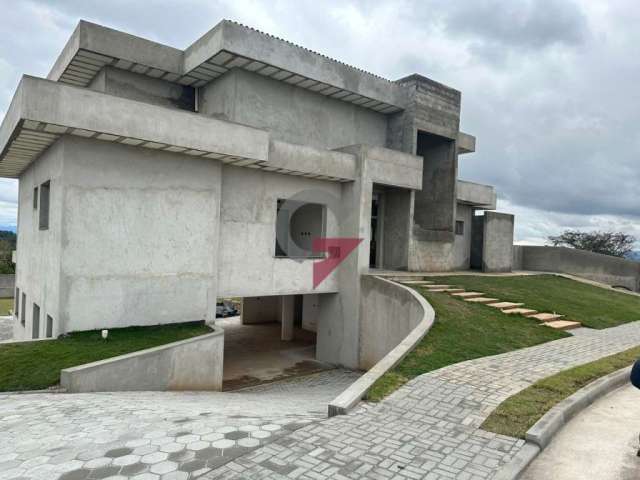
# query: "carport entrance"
{"points": [[272, 338]]}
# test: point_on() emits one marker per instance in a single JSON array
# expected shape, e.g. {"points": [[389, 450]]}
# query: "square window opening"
{"points": [[298, 224], [459, 227], [35, 198]]}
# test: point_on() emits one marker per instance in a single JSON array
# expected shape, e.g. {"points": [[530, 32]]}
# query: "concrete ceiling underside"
{"points": [[85, 65]]}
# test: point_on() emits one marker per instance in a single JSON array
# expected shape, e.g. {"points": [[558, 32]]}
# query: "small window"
{"points": [[298, 224], [24, 309], [44, 205], [459, 227], [35, 198], [35, 323], [17, 303], [49, 326]]}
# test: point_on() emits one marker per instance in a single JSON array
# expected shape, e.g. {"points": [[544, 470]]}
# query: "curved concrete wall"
{"points": [[606, 269], [394, 318], [192, 364]]}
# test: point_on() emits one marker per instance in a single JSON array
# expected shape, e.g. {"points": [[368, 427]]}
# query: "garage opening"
{"points": [[269, 338]]}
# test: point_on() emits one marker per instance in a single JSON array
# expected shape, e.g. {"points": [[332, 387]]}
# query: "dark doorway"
{"points": [[374, 244]]}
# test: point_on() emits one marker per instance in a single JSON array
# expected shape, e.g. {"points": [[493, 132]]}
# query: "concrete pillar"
{"points": [[286, 317]]}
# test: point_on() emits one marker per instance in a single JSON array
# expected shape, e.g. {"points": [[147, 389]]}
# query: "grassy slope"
{"points": [[37, 365], [593, 306], [6, 304], [462, 331], [520, 412]]}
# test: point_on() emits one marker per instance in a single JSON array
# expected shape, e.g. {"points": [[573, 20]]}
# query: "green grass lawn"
{"points": [[519, 413], [6, 304], [594, 307], [462, 331], [37, 365]]}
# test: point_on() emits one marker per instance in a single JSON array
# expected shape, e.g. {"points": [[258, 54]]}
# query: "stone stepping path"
{"points": [[503, 305], [519, 311], [447, 290], [563, 324], [467, 294], [416, 282], [481, 300], [545, 317], [438, 287]]}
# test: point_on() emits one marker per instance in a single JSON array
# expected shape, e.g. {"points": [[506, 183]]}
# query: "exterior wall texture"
{"points": [[593, 266]]}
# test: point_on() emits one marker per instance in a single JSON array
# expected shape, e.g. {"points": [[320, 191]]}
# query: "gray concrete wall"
{"points": [[193, 364], [38, 251], [497, 248], [141, 236], [142, 88], [388, 314], [606, 269], [396, 228], [7, 286], [476, 194], [248, 265], [260, 310], [290, 113], [462, 243]]}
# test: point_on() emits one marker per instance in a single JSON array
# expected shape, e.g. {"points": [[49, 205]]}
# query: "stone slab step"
{"points": [[503, 305], [467, 294], [439, 286], [416, 282], [481, 300], [519, 311], [447, 290], [545, 317], [563, 324]]}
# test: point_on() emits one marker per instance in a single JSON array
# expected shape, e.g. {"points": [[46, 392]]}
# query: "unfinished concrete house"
{"points": [[151, 181]]}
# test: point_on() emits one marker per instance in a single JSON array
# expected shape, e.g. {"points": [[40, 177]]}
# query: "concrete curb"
{"points": [[543, 431], [352, 395]]}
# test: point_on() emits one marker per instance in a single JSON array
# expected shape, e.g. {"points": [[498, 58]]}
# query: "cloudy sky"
{"points": [[550, 87]]}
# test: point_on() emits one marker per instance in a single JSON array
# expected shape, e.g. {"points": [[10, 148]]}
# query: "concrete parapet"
{"points": [[192, 364], [606, 269], [394, 318]]}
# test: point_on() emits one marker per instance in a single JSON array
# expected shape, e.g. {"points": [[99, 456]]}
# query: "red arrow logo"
{"points": [[338, 249]]}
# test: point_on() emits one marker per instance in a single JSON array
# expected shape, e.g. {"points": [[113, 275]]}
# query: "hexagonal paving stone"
{"points": [[212, 437], [193, 465], [80, 474], [172, 447], [270, 427], [164, 467], [118, 452], [225, 443], [182, 456], [98, 462], [208, 453], [260, 434], [236, 435], [249, 442], [126, 460], [249, 428], [226, 429], [146, 450], [133, 469], [154, 457], [146, 476], [198, 445], [177, 475], [104, 472], [187, 439]]}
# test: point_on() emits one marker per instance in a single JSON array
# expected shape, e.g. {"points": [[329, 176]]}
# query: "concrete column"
{"points": [[286, 317]]}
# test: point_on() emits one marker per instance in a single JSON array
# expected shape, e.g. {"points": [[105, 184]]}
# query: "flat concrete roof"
{"points": [[476, 195], [228, 45]]}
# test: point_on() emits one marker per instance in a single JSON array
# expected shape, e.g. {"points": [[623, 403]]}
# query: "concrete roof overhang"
{"points": [[41, 111], [228, 45], [476, 195]]}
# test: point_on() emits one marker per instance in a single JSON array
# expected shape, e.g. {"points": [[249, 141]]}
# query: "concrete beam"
{"points": [[466, 143], [42, 110], [476, 195]]}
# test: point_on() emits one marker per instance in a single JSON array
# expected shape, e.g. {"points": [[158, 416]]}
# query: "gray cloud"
{"points": [[549, 87]]}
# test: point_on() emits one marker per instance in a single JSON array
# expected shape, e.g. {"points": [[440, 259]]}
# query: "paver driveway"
{"points": [[153, 435]]}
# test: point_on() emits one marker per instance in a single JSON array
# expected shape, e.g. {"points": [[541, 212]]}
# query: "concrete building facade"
{"points": [[154, 181]]}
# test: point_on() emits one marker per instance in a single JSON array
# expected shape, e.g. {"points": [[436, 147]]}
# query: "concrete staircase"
{"points": [[552, 320]]}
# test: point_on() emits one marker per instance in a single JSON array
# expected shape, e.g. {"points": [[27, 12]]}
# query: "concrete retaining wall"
{"points": [[606, 269], [394, 319], [7, 285], [192, 364]]}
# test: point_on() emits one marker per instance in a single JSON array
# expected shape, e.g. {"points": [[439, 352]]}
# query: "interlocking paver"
{"points": [[429, 428], [145, 434]]}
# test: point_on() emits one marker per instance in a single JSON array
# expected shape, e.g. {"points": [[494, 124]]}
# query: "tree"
{"points": [[617, 244], [7, 245]]}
